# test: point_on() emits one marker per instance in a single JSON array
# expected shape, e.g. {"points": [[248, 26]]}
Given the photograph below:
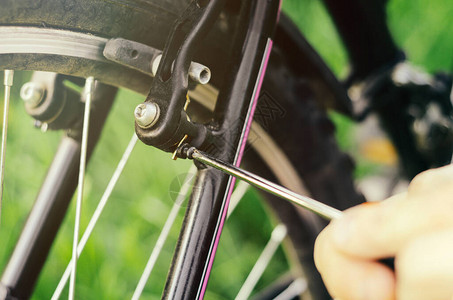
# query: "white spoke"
{"points": [[8, 83], [239, 191], [278, 234], [296, 288], [164, 234], [97, 213], [89, 86]]}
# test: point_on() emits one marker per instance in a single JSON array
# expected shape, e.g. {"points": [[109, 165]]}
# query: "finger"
{"points": [[364, 230], [380, 230], [425, 268], [349, 278], [430, 180]]}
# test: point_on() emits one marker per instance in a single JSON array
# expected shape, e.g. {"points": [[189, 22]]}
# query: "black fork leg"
{"points": [[51, 204], [208, 205], [363, 28]]}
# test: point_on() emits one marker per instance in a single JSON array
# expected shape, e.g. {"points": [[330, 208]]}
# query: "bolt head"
{"points": [[32, 93], [146, 114]]}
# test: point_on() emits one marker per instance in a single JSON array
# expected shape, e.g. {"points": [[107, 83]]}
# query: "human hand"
{"points": [[415, 227]]}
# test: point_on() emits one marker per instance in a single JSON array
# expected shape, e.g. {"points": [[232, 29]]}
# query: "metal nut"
{"points": [[146, 114], [8, 79]]}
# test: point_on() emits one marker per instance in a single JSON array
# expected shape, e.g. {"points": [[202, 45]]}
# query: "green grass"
{"points": [[119, 248]]}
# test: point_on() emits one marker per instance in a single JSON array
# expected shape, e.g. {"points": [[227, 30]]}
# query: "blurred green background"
{"points": [[119, 248]]}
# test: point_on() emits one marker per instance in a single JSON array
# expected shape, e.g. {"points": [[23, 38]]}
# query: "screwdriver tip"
{"points": [[185, 151]]}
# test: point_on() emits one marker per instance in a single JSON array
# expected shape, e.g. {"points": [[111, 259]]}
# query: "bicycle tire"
{"points": [[56, 14]]}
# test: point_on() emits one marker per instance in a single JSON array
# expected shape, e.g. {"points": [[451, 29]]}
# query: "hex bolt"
{"points": [[32, 93], [146, 114]]}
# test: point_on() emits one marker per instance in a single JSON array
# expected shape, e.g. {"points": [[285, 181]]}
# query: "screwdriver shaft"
{"points": [[317, 207]]}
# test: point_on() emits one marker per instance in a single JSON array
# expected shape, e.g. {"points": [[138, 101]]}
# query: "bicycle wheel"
{"points": [[88, 31]]}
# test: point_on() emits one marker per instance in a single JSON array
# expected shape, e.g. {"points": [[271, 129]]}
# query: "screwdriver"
{"points": [[317, 207]]}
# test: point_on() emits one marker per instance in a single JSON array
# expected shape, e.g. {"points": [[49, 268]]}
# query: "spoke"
{"points": [[278, 234], [8, 83], [96, 215], [164, 234], [296, 288], [241, 189], [89, 86]]}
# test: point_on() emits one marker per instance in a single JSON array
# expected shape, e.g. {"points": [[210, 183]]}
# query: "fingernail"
{"points": [[342, 230], [345, 227]]}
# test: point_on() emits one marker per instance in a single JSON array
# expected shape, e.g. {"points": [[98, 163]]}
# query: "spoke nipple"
{"points": [[32, 93], [146, 114], [89, 85], [8, 79]]}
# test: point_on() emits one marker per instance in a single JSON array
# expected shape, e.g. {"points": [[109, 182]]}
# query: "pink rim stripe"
{"points": [[279, 10], [238, 162]]}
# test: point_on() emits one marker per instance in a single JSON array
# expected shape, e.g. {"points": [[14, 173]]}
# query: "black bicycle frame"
{"points": [[207, 208], [363, 28]]}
